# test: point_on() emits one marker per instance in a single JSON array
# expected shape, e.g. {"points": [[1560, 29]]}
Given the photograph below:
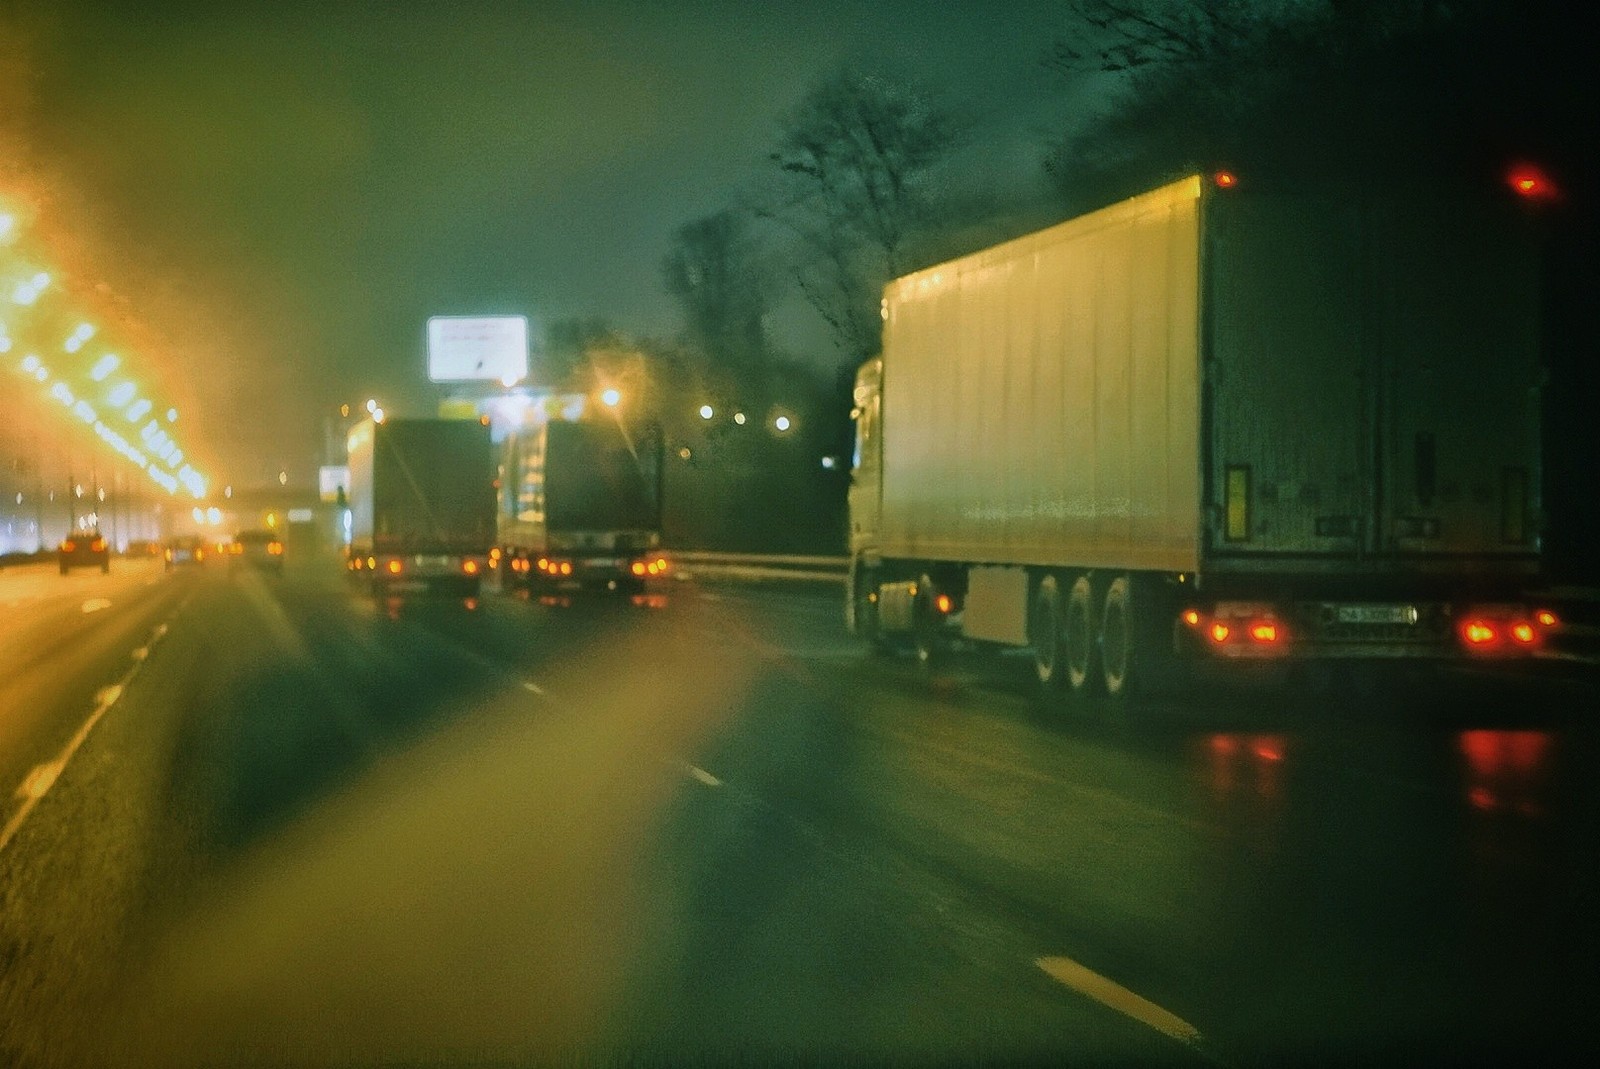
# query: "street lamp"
{"points": [[706, 412], [611, 397]]}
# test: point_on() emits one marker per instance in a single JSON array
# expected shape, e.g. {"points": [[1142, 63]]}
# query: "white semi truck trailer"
{"points": [[1210, 424]]}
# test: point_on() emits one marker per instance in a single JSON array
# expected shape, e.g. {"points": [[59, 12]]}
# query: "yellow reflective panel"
{"points": [[1236, 524]]}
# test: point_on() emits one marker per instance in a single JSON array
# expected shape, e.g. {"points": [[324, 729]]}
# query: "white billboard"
{"points": [[331, 478], [477, 349]]}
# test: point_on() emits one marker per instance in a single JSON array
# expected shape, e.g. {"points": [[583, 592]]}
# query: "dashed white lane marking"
{"points": [[1111, 994], [96, 604], [39, 781], [535, 688], [703, 776]]}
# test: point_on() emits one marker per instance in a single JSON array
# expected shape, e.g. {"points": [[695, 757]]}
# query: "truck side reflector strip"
{"points": [[1236, 522]]}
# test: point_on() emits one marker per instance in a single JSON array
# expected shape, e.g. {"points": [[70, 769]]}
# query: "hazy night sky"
{"points": [[288, 191]]}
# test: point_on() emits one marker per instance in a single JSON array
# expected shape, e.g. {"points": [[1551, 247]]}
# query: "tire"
{"points": [[1119, 661], [65, 568], [1080, 639], [1045, 620], [105, 567]]}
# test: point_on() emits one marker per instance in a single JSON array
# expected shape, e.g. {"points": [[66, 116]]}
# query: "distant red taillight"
{"points": [[395, 567], [1264, 631], [1477, 632], [470, 567], [69, 546]]}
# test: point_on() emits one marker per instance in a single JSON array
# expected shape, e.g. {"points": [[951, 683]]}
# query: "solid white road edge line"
{"points": [[39, 781]]}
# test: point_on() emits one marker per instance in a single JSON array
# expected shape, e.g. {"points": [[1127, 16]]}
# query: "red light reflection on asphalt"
{"points": [[1245, 762], [1506, 771]]}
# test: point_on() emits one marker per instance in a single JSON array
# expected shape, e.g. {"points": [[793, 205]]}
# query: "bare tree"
{"points": [[859, 164], [724, 284], [1308, 86]]}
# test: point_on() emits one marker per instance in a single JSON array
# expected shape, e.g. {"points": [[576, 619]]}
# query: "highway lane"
{"points": [[325, 827], [64, 640]]}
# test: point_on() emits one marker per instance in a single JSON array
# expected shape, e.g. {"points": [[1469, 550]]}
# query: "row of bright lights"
{"points": [[780, 423], [157, 443]]}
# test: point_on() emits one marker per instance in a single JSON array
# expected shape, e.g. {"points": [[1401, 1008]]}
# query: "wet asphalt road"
{"points": [[305, 826]]}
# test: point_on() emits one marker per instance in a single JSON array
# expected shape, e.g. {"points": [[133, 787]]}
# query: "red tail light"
{"points": [[1545, 618], [395, 567], [1264, 631], [638, 567], [943, 604], [69, 546], [1220, 632], [470, 567], [275, 549], [1479, 632], [98, 545]]}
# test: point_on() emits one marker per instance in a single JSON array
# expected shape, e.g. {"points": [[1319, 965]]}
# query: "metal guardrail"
{"points": [[758, 565]]}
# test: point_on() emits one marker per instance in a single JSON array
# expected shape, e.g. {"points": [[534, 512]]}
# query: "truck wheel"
{"points": [[1117, 633], [1044, 634], [1079, 641], [864, 608]]}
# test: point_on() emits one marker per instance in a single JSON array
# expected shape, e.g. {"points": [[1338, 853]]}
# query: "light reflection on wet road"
{"points": [[705, 826]]}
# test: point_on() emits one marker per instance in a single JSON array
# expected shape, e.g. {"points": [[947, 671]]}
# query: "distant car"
{"points": [[184, 551], [84, 549], [256, 549], [142, 548]]}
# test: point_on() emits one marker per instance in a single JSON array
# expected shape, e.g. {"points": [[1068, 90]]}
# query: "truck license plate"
{"points": [[1377, 614]]}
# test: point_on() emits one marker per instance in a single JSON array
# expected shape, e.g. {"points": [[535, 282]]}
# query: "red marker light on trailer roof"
{"points": [[1225, 179], [1529, 181]]}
